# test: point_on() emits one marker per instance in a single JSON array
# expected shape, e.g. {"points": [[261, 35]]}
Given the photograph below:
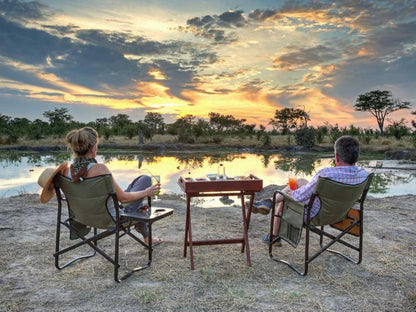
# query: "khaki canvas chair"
{"points": [[92, 203], [337, 210]]}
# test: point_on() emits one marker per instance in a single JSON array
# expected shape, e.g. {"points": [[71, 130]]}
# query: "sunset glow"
{"points": [[242, 58]]}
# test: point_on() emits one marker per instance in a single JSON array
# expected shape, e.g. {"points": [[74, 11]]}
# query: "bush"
{"points": [[334, 134], [305, 137], [320, 134], [365, 137], [217, 139], [265, 139], [414, 138]]}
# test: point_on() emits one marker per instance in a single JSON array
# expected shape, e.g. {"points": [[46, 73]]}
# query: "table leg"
{"points": [[245, 233], [188, 232], [250, 208], [185, 245]]}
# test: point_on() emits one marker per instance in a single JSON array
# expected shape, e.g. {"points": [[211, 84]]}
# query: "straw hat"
{"points": [[45, 181]]}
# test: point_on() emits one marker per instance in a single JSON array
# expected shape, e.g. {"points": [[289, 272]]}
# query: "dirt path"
{"points": [[221, 281]]}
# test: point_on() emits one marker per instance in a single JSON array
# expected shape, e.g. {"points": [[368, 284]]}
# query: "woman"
{"points": [[84, 143]]}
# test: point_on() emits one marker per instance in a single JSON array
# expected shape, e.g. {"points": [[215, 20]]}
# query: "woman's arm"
{"points": [[123, 196]]}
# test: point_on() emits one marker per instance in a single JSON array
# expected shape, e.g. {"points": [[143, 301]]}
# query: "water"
{"points": [[19, 174]]}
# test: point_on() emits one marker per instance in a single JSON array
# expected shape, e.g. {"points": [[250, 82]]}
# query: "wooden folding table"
{"points": [[238, 186]]}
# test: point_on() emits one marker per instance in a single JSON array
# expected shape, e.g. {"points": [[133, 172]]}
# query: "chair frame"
{"points": [[123, 224], [309, 227]]}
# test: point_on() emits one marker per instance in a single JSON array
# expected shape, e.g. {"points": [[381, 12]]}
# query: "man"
{"points": [[347, 151]]}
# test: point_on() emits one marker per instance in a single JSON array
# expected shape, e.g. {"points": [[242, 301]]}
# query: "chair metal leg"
{"points": [[149, 261], [359, 249], [271, 242], [290, 265], [57, 244]]}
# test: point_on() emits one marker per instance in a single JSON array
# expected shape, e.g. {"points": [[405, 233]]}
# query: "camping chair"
{"points": [[337, 202], [92, 203]]}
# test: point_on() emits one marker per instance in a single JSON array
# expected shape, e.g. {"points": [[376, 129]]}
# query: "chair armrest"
{"points": [[288, 198]]}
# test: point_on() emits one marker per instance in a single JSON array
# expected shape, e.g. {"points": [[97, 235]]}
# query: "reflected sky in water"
{"points": [[20, 174]]}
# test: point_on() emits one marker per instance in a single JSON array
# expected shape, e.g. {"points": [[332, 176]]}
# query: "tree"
{"points": [[225, 122], [288, 118], [120, 124], [4, 123], [183, 127], [414, 132], [305, 136], [379, 104], [58, 120], [155, 122]]}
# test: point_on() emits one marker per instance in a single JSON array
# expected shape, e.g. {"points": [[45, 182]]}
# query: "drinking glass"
{"points": [[221, 172], [293, 183], [157, 179], [154, 177]]}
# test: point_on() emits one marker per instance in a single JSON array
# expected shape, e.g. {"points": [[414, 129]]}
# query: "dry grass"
{"points": [[221, 281]]}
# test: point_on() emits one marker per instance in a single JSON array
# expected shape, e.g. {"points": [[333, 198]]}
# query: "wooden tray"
{"points": [[249, 183]]}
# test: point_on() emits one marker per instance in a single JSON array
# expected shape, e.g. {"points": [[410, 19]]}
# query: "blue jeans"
{"points": [[139, 184]]}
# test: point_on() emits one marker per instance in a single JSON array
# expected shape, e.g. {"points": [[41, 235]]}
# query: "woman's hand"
{"points": [[152, 190]]}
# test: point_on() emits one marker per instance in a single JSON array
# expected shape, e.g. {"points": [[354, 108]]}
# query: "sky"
{"points": [[245, 58]]}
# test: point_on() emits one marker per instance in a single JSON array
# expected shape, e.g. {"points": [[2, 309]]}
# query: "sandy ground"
{"points": [[221, 281]]}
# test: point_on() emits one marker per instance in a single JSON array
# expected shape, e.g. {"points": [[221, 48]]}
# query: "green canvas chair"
{"points": [[92, 203], [338, 200]]}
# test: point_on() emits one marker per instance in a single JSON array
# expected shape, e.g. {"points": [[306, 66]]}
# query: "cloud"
{"points": [[128, 44], [212, 27], [27, 45], [392, 40], [97, 60], [265, 15], [12, 91], [62, 30], [303, 57], [20, 10], [24, 76]]}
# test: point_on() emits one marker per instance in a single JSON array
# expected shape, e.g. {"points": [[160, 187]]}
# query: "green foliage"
{"points": [[288, 118], [58, 120], [217, 139], [265, 139], [302, 165], [119, 124], [225, 123], [106, 132], [130, 131], [354, 131], [305, 137], [379, 104], [414, 138], [365, 137], [155, 122], [414, 121], [398, 129], [334, 133], [320, 134]]}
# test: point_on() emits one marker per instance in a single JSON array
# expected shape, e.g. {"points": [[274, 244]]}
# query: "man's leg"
{"points": [[279, 202]]}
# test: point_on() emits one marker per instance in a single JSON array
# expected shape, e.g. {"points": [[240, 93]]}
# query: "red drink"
{"points": [[293, 183]]}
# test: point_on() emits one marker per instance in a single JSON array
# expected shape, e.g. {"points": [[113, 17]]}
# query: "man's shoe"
{"points": [[262, 206], [276, 241]]}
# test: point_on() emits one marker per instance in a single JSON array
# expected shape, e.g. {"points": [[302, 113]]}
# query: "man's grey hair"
{"points": [[347, 149]]}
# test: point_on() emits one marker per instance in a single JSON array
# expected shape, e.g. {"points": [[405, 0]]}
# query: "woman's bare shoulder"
{"points": [[98, 169]]}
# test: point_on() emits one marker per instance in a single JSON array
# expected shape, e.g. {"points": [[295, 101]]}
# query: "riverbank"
{"points": [[392, 148], [221, 281]]}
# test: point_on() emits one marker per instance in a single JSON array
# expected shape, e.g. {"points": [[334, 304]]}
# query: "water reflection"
{"points": [[306, 165], [19, 172]]}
